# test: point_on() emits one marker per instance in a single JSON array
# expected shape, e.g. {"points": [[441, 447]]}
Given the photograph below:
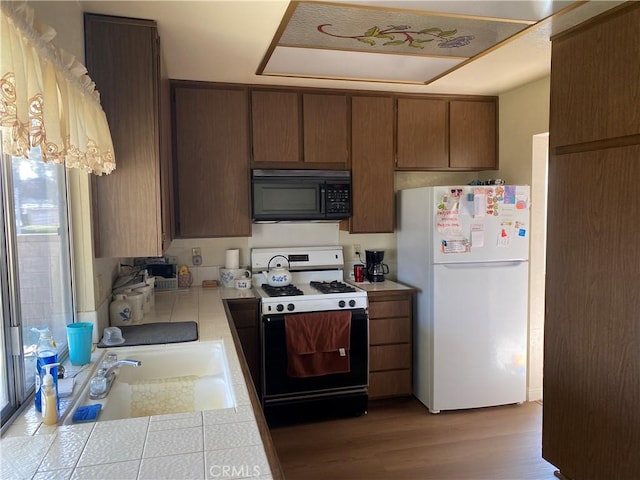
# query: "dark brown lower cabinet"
{"points": [[591, 421], [390, 346], [244, 313]]}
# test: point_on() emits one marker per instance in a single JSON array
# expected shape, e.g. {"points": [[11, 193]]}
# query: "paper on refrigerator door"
{"points": [[460, 245], [477, 235], [510, 195], [479, 202], [504, 238], [448, 222]]}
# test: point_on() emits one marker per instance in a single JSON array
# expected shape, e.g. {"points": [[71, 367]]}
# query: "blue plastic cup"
{"points": [[80, 337]]}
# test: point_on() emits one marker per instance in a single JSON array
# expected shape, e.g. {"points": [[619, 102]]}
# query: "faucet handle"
{"points": [[109, 359], [98, 384]]}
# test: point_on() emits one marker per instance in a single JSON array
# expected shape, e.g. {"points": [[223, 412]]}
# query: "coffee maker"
{"points": [[375, 269]]}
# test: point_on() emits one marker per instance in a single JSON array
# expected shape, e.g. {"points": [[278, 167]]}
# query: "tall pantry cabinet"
{"points": [[591, 419], [133, 205]]}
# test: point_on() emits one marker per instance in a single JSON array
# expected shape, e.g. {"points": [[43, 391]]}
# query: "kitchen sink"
{"points": [[171, 379]]}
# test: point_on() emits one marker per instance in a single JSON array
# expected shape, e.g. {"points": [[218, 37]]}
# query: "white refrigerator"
{"points": [[466, 250]]}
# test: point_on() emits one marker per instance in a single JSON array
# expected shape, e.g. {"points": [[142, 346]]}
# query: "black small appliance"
{"points": [[375, 268], [279, 195]]}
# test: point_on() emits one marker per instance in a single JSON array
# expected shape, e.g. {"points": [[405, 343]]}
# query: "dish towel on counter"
{"points": [[317, 343]]}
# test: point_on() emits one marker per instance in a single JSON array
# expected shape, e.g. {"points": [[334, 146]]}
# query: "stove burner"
{"points": [[332, 287], [287, 291]]}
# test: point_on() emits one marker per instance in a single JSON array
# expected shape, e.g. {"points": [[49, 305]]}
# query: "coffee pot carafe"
{"points": [[375, 268]]}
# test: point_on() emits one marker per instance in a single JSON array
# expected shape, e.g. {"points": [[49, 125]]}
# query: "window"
{"points": [[36, 284]]}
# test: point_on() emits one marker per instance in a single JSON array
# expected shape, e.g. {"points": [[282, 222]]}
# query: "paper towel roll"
{"points": [[232, 259]]}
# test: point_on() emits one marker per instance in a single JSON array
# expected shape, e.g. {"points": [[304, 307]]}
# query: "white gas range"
{"points": [[317, 280], [288, 397]]}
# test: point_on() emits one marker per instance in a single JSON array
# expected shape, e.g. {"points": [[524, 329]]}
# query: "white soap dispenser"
{"points": [[49, 397]]}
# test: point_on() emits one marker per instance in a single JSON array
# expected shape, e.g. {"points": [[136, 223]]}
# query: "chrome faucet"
{"points": [[119, 363], [101, 384]]}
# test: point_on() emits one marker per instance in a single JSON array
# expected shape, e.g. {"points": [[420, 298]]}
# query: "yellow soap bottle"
{"points": [[49, 397]]}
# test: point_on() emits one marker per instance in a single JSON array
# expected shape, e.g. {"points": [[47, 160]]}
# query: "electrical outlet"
{"points": [[355, 250], [196, 256]]}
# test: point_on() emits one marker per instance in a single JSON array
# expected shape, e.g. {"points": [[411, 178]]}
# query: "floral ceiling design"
{"points": [[357, 41], [407, 36]]}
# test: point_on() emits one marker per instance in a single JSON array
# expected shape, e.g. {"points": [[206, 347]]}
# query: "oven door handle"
{"points": [[357, 313]]}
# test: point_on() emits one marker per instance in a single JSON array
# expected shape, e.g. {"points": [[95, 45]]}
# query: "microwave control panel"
{"points": [[338, 198]]}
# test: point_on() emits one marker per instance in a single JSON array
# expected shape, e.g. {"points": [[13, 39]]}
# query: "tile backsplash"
{"points": [[279, 235], [201, 273]]}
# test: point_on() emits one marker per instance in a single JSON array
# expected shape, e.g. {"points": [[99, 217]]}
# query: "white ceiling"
{"points": [[226, 41]]}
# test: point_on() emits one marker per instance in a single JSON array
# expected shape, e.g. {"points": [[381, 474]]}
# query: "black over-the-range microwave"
{"points": [[279, 195]]}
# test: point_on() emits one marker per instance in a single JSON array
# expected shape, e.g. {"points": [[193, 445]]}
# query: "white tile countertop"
{"points": [[386, 286], [225, 443]]}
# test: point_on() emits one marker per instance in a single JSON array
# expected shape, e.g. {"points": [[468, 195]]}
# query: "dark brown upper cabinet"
{"points": [[291, 129], [372, 165], [446, 134], [211, 161], [132, 206], [325, 129], [594, 102], [275, 122], [422, 140], [473, 135]]}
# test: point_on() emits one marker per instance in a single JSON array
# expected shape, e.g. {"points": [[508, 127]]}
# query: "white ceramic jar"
{"points": [[147, 293], [120, 311], [151, 282], [136, 299]]}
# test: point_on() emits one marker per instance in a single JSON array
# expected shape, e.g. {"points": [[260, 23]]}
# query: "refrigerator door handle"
{"points": [[504, 263]]}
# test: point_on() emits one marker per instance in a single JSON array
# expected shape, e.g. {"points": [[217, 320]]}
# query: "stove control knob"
{"points": [[280, 307], [290, 307], [352, 303], [341, 304]]}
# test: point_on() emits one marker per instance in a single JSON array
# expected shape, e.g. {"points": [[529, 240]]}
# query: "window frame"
{"points": [[19, 396]]}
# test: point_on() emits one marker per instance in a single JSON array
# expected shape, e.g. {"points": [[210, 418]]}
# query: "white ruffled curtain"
{"points": [[47, 100]]}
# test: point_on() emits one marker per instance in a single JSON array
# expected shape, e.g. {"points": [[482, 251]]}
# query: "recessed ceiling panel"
{"points": [[355, 28], [333, 40], [316, 63]]}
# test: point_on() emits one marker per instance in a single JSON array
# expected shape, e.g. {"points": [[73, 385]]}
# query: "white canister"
{"points": [[120, 311], [228, 276], [147, 293], [151, 282], [136, 299]]}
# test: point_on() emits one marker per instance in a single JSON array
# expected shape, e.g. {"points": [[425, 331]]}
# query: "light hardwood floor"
{"points": [[399, 439]]}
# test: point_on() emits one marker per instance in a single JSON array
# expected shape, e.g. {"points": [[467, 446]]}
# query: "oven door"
{"points": [[278, 386]]}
